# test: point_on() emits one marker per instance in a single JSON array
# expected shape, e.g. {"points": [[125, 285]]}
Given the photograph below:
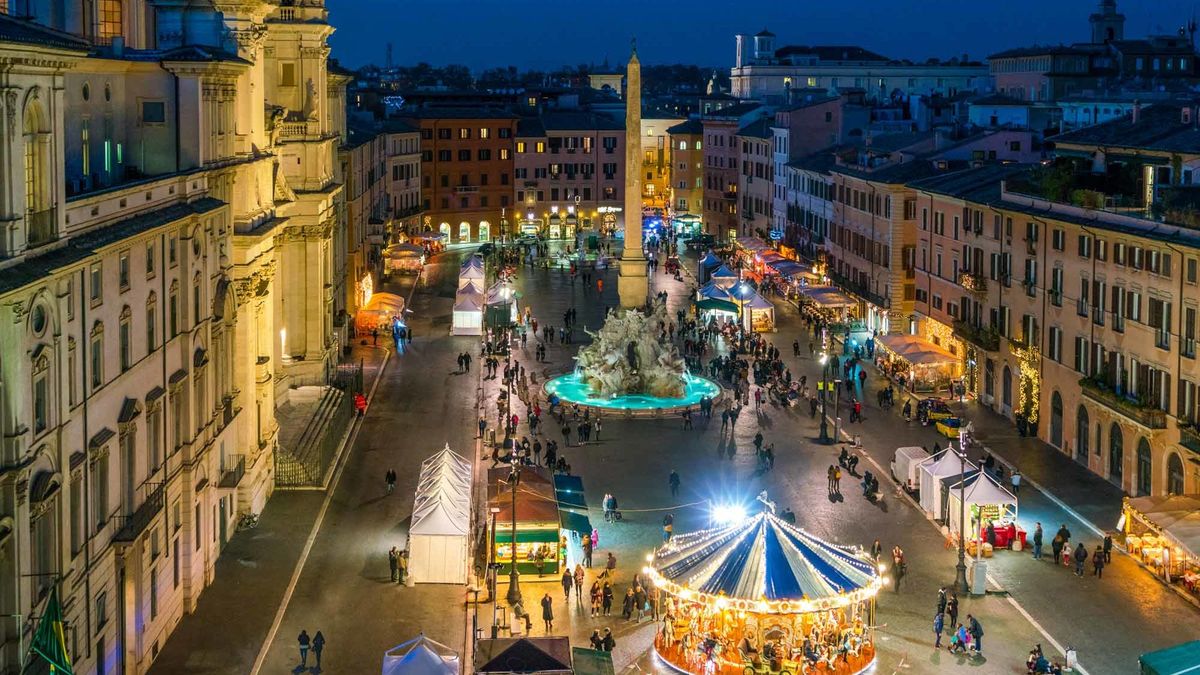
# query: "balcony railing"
{"points": [[861, 290], [976, 283], [40, 227], [984, 337], [1189, 436], [130, 527], [231, 474], [463, 189], [1143, 413]]}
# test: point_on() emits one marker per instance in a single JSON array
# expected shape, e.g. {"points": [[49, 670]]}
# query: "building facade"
{"points": [[656, 160], [756, 177], [722, 165], [687, 167], [171, 198]]}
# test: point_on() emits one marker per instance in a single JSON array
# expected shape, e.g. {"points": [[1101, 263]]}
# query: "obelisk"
{"points": [[632, 284]]}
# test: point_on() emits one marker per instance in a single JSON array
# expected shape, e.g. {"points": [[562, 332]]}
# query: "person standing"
{"points": [[610, 566], [976, 631], [607, 599], [586, 541], [829, 475], [1098, 562], [1037, 542], [668, 527], [1081, 556], [608, 642], [596, 428], [304, 642], [1056, 547], [568, 580], [403, 560], [1107, 548], [876, 550], [1015, 479], [952, 609], [394, 563], [938, 626], [673, 482], [390, 479], [318, 646], [548, 612]]}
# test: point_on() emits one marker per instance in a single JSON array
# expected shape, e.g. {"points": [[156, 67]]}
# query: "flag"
{"points": [[50, 642]]}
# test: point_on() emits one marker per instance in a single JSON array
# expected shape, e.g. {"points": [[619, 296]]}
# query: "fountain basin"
{"points": [[571, 388]]}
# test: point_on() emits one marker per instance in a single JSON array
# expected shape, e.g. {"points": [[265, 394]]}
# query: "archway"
{"points": [[1145, 464], [464, 231], [1116, 453], [444, 229], [1056, 415], [1082, 425], [485, 231], [1006, 385], [1174, 474]]}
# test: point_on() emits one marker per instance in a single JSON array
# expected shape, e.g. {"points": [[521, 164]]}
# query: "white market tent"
{"points": [[471, 272], [983, 491], [933, 470], [759, 313], [441, 520], [906, 466], [420, 656], [468, 311]]}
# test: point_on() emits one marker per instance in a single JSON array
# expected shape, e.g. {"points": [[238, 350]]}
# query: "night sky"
{"points": [[542, 35]]}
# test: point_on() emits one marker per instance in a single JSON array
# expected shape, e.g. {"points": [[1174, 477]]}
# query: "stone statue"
{"points": [[631, 355], [625, 356], [310, 100]]}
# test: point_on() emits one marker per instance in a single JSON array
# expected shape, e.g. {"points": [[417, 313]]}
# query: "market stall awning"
{"points": [[576, 522], [916, 349], [723, 272], [420, 656], [753, 244], [536, 502], [789, 268], [466, 302], [757, 301], [533, 536], [764, 562], [502, 293], [404, 251], [569, 490], [828, 296], [384, 303], [717, 305], [712, 290], [1178, 516], [1177, 660], [710, 261]]}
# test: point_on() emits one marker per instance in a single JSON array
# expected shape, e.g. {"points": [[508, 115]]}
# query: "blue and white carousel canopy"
{"points": [[765, 565]]}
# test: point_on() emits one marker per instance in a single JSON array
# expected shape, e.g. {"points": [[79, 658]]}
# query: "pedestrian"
{"points": [[403, 561], [673, 481], [587, 551], [724, 420], [548, 612], [606, 599], [304, 641], [1056, 546], [1107, 548], [596, 428], [1081, 556], [1015, 478], [938, 626], [318, 646], [390, 479], [394, 563], [952, 609], [1064, 533], [627, 604], [596, 641], [596, 596], [1098, 562], [829, 476], [668, 527], [837, 480], [579, 579], [976, 631], [568, 580], [610, 566], [482, 427], [608, 642], [1037, 542]]}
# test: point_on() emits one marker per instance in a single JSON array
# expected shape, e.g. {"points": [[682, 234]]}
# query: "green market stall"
{"points": [[538, 534], [1177, 660]]}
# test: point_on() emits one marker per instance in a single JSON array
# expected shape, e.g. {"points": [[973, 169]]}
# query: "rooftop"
{"points": [[760, 128], [25, 31], [831, 53], [1158, 127], [981, 184], [690, 126]]}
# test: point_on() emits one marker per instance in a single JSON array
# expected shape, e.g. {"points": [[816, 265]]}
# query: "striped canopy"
{"points": [[764, 564]]}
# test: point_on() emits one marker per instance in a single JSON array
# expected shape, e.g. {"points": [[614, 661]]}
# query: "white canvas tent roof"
{"points": [[443, 499], [468, 303], [473, 261], [983, 491], [470, 288], [945, 463], [471, 273], [757, 301], [1176, 515], [496, 294], [420, 656]]}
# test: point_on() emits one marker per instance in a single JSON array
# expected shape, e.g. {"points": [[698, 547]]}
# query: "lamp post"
{"points": [[960, 576], [514, 585], [492, 566]]}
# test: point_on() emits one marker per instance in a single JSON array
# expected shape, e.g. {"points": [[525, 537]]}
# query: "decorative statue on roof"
{"points": [[627, 357]]}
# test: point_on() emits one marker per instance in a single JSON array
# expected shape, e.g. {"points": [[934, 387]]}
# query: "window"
{"points": [[541, 146], [154, 437], [1187, 342], [173, 311], [97, 283], [521, 146], [109, 23], [485, 133], [150, 259], [1056, 286], [503, 153], [1085, 246], [196, 523], [1082, 349], [41, 393], [172, 250], [197, 284], [444, 134], [287, 74], [465, 155], [464, 133], [77, 524], [444, 155], [1056, 344], [100, 492], [151, 323], [1058, 240], [97, 355], [124, 339]]}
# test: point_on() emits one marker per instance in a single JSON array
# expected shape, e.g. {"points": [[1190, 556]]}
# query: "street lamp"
{"points": [[492, 566], [514, 585], [826, 363], [960, 576]]}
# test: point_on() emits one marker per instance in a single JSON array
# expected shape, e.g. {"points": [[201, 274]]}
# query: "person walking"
{"points": [[568, 580], [1081, 556], [304, 642], [876, 550], [976, 631], [579, 579], [608, 642], [610, 566], [673, 481], [318, 646], [586, 542], [829, 476], [1015, 479], [548, 612], [1098, 562], [1037, 542], [394, 563], [1107, 548], [938, 626], [390, 479], [606, 599]]}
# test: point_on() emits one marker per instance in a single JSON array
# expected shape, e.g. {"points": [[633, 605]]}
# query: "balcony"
{"points": [[1139, 411], [1189, 436], [983, 337], [975, 283], [232, 472], [861, 290], [40, 227], [130, 527], [466, 189]]}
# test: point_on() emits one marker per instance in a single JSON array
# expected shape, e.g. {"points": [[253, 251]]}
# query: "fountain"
{"points": [[627, 368]]}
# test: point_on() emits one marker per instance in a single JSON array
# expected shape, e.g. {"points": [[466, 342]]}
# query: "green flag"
{"points": [[50, 642]]}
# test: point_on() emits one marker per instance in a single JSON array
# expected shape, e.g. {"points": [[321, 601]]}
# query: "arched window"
{"points": [[1056, 419], [44, 554], [196, 286], [1082, 425], [1174, 474], [125, 338], [41, 391], [35, 165], [1116, 453], [1006, 385], [1145, 465]]}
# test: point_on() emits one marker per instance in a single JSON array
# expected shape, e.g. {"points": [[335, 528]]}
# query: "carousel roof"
{"points": [[765, 565]]}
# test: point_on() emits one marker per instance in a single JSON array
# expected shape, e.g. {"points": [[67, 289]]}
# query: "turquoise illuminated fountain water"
{"points": [[571, 388]]}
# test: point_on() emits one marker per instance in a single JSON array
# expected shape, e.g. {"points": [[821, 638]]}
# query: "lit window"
{"points": [[485, 133], [541, 146], [520, 146], [110, 20]]}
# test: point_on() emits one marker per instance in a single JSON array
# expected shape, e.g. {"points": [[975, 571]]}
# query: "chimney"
{"points": [[1137, 110]]}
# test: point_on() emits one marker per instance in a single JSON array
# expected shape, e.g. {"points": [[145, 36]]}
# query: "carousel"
{"points": [[763, 596]]}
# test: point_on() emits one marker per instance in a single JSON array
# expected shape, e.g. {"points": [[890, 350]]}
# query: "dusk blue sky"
{"points": [[542, 34]]}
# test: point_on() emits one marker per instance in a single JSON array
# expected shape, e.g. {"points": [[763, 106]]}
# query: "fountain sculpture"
{"points": [[626, 357]]}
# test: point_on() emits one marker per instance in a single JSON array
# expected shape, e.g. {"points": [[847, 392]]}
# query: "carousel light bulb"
{"points": [[649, 558], [882, 568], [646, 570]]}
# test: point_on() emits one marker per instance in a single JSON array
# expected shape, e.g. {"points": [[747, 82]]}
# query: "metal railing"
{"points": [[233, 471], [131, 526], [307, 462]]}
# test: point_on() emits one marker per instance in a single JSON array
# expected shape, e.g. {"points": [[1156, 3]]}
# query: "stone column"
{"points": [[632, 284]]}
